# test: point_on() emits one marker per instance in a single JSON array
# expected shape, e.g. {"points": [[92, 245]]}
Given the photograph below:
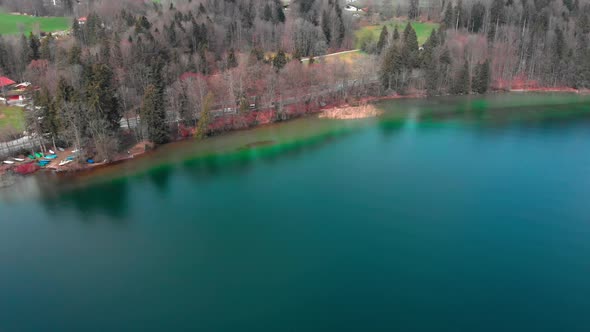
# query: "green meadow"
{"points": [[12, 117], [16, 24], [423, 30]]}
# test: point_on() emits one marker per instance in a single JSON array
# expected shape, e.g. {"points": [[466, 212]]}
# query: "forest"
{"points": [[134, 70]]}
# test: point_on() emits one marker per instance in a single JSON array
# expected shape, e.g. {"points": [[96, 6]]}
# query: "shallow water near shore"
{"points": [[446, 214]]}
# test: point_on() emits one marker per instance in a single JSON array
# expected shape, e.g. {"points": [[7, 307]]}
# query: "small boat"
{"points": [[65, 162], [90, 161], [61, 149], [51, 156], [51, 152], [75, 151], [20, 160], [30, 156], [8, 162], [39, 155], [71, 158]]}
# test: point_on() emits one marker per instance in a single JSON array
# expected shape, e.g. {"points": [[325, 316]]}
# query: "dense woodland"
{"points": [[137, 70]]}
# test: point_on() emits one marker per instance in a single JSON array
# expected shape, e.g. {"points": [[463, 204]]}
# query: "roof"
{"points": [[4, 81], [83, 19], [23, 85]]}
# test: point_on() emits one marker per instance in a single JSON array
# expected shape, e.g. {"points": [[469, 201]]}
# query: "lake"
{"points": [[447, 214]]}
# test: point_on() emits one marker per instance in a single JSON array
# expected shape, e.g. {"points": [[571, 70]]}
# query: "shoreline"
{"points": [[359, 109]]}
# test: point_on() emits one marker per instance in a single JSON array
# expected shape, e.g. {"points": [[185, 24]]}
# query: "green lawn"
{"points": [[15, 24], [12, 117], [372, 32]]}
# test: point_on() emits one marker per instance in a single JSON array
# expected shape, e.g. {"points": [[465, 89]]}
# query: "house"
{"points": [[12, 93], [82, 20], [5, 82], [352, 8]]}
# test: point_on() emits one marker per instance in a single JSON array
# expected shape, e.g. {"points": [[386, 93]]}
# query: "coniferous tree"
{"points": [[49, 120], [232, 60], [383, 38], [77, 31], [326, 27], [46, 45], [432, 78], [101, 96], [155, 115], [481, 81], [4, 63], [154, 111], [391, 68], [25, 53], [280, 12], [35, 45], [429, 46], [395, 34], [449, 16], [414, 10], [410, 47], [280, 60], [461, 84], [74, 56], [478, 12]]}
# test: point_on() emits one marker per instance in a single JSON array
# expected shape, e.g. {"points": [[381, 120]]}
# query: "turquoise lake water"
{"points": [[451, 214]]}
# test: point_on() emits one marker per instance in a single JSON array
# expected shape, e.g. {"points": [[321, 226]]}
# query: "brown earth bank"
{"points": [[344, 110]]}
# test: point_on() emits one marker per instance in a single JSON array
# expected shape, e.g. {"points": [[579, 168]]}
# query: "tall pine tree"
{"points": [[153, 110], [481, 81], [410, 47], [461, 84], [383, 38]]}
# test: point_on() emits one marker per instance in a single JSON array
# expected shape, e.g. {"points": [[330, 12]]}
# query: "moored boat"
{"points": [[65, 162]]}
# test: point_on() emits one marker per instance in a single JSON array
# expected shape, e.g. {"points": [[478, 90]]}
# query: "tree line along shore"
{"points": [[136, 71]]}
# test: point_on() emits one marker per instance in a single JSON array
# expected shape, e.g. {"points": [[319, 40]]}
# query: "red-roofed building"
{"points": [[5, 81], [82, 20]]}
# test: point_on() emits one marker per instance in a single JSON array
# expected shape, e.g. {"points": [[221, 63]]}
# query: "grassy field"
{"points": [[12, 117], [372, 32], [16, 24]]}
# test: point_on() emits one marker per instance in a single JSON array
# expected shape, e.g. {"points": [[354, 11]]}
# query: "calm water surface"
{"points": [[453, 214]]}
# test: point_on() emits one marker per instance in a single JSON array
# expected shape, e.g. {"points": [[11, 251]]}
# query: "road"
{"points": [[329, 55]]}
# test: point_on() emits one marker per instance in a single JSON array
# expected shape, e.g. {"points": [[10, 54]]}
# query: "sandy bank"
{"points": [[348, 112]]}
